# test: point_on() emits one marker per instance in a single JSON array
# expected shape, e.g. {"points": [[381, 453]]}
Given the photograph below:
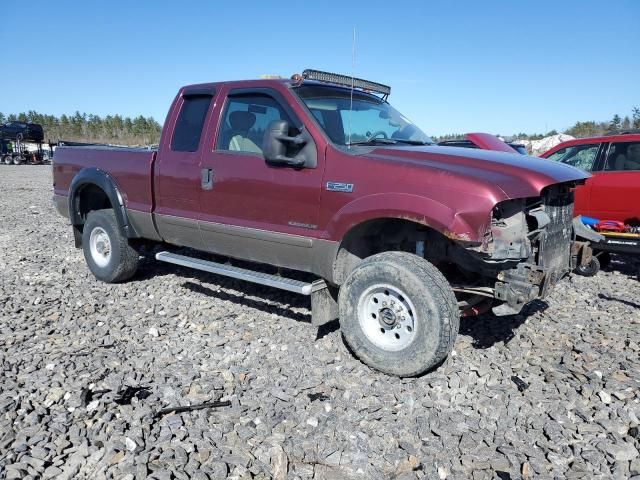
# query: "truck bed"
{"points": [[130, 168]]}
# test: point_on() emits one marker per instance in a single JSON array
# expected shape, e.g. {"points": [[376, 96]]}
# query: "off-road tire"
{"points": [[590, 269], [123, 259], [436, 318]]}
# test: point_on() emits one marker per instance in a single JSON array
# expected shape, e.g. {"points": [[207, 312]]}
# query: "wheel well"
{"points": [[90, 198], [382, 235]]}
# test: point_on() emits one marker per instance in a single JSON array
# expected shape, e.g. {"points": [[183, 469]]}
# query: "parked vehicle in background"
{"points": [[321, 174], [25, 131], [21, 142], [485, 141], [613, 191]]}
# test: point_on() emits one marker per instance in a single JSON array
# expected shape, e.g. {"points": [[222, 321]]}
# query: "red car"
{"points": [[613, 191]]}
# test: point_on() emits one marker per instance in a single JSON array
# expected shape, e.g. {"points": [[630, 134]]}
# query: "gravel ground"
{"points": [[552, 393]]}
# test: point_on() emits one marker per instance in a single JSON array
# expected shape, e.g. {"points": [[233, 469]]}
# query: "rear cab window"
{"points": [[188, 129]]}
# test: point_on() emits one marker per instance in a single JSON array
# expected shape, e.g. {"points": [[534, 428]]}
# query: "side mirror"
{"points": [[275, 143]]}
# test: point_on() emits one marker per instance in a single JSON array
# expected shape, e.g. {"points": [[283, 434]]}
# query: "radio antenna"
{"points": [[353, 74]]}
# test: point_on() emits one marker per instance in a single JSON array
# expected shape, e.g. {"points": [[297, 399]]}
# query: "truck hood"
{"points": [[516, 175]]}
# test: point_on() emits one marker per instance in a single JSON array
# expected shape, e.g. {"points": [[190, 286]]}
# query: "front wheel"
{"points": [[398, 313], [106, 250], [590, 269]]}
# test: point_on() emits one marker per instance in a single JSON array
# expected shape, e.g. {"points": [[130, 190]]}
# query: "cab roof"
{"points": [[308, 76]]}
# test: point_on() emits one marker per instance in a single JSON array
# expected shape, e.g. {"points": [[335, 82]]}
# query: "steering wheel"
{"points": [[378, 132]]}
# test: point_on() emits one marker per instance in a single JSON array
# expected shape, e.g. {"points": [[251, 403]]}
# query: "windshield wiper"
{"points": [[412, 142], [373, 141], [389, 141]]}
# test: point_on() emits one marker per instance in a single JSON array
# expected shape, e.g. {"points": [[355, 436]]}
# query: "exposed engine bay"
{"points": [[530, 244]]}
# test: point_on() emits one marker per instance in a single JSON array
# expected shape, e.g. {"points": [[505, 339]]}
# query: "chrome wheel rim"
{"points": [[387, 317], [100, 247]]}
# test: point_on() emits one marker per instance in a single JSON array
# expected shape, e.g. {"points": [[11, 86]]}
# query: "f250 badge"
{"points": [[340, 187]]}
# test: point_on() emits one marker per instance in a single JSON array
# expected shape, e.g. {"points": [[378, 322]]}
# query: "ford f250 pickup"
{"points": [[320, 174]]}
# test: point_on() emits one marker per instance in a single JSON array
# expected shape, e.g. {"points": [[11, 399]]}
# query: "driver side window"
{"points": [[580, 156], [245, 119]]}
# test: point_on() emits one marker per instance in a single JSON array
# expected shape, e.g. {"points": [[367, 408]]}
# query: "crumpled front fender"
{"points": [[582, 231]]}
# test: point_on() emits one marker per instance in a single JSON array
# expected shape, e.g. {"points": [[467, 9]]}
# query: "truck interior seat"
{"points": [[239, 141]]}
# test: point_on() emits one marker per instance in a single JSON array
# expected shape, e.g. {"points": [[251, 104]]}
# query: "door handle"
{"points": [[206, 179]]}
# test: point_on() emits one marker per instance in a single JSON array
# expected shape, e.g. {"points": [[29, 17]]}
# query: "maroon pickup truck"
{"points": [[321, 174]]}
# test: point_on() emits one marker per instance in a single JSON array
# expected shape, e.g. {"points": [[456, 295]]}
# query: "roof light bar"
{"points": [[346, 80]]}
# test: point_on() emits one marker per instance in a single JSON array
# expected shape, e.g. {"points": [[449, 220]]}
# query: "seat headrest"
{"points": [[242, 120]]}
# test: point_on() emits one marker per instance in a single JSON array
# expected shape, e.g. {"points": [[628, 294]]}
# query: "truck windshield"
{"points": [[367, 120]]}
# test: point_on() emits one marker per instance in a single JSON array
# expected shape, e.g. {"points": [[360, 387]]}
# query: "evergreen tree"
{"points": [[635, 114], [616, 123]]}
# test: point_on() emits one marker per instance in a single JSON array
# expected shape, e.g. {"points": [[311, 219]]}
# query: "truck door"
{"points": [[250, 209], [177, 171], [615, 190]]}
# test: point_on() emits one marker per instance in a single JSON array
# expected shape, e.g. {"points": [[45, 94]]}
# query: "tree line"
{"points": [[578, 130], [140, 130], [82, 127]]}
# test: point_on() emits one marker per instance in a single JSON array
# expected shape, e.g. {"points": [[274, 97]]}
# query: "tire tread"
{"points": [[127, 264], [441, 293]]}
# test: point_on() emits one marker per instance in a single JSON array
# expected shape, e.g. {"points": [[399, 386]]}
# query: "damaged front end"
{"points": [[529, 246]]}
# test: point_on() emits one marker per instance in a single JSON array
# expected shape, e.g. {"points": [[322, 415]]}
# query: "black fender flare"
{"points": [[104, 181]]}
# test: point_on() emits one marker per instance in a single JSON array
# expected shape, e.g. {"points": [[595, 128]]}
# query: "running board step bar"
{"points": [[276, 281]]}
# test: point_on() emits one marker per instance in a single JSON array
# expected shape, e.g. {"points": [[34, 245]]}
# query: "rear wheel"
{"points": [[398, 313], [7, 159], [106, 250]]}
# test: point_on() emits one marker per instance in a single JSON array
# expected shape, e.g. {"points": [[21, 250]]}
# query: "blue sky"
{"points": [[495, 66]]}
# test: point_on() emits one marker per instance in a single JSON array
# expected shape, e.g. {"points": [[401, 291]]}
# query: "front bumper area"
{"points": [[527, 281], [519, 286]]}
